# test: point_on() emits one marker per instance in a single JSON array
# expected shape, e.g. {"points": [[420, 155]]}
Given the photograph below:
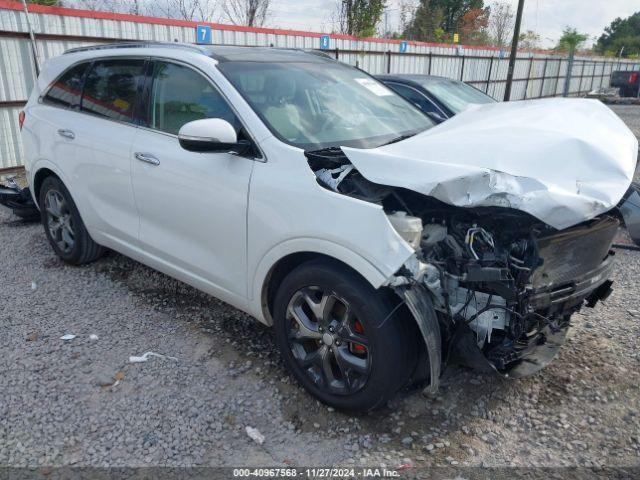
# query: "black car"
{"points": [[627, 81], [438, 97]]}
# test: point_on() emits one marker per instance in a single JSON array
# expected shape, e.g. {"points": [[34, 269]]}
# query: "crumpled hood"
{"points": [[563, 161]]}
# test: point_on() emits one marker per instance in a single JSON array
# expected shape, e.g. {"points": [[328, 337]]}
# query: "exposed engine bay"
{"points": [[503, 284]]}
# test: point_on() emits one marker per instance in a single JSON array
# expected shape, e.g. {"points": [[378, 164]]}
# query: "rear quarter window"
{"points": [[67, 90]]}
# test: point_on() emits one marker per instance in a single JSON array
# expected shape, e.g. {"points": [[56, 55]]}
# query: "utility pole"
{"points": [[386, 23], [514, 51], [34, 50]]}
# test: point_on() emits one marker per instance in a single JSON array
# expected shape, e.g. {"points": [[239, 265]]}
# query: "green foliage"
{"points": [[529, 40], [437, 19], [48, 3], [571, 40], [360, 17], [621, 33]]}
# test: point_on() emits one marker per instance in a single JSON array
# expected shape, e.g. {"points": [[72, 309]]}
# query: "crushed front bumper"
{"points": [[534, 351]]}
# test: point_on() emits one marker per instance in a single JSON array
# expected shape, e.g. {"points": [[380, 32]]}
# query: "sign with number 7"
{"points": [[203, 34]]}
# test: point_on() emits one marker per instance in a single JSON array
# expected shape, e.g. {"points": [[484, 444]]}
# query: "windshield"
{"points": [[456, 96], [321, 105]]}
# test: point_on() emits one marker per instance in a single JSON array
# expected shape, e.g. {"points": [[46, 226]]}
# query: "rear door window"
{"points": [[67, 90], [111, 88]]}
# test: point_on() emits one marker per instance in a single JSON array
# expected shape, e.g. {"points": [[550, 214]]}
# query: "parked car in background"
{"points": [[440, 98], [627, 81], [311, 196]]}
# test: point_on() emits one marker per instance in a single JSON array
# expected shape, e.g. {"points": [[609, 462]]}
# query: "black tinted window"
{"points": [[66, 91], [181, 95], [415, 97], [111, 87]]}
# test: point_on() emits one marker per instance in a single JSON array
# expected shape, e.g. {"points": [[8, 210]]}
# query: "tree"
{"points": [[102, 5], [359, 17], [621, 33], [501, 24], [530, 40], [48, 3], [407, 13], [438, 19], [473, 26], [195, 10], [454, 10], [251, 13], [571, 40]]}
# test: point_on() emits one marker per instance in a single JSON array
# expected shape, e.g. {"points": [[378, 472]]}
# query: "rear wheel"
{"points": [[63, 226], [341, 338]]}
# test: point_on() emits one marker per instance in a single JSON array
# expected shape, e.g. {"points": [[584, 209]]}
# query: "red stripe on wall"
{"points": [[125, 17]]}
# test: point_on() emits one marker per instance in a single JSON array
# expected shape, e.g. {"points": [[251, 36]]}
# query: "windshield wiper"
{"points": [[399, 139]]}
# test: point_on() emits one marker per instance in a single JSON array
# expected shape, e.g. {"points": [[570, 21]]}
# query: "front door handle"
{"points": [[147, 158], [66, 134]]}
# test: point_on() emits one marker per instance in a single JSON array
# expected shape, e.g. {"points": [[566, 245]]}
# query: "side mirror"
{"points": [[211, 135]]}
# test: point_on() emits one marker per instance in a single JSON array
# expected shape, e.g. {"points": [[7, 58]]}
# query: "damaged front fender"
{"points": [[629, 208], [421, 307]]}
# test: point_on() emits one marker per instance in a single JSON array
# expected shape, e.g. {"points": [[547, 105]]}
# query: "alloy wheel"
{"points": [[328, 341], [59, 221]]}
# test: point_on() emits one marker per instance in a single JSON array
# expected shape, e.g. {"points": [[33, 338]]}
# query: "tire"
{"points": [[322, 358], [63, 225]]}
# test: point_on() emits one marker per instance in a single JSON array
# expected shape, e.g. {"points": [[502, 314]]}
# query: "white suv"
{"points": [[306, 193]]}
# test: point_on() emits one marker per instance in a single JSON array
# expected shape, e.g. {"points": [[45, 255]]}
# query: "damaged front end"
{"points": [[490, 287]]}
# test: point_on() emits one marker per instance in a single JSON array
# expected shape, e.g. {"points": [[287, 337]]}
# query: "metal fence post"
{"points": [[388, 61], [567, 80], [581, 76], [558, 70], [526, 85], [462, 69], [32, 36], [544, 77], [486, 90], [430, 60]]}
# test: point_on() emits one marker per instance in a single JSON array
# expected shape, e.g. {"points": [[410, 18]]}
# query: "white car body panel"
{"points": [[543, 157], [192, 210], [100, 174], [355, 232], [219, 222]]}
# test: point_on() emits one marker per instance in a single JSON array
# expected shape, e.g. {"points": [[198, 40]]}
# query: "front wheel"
{"points": [[343, 340], [63, 226]]}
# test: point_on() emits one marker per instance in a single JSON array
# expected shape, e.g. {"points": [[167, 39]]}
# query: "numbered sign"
{"points": [[403, 47], [203, 34], [325, 42]]}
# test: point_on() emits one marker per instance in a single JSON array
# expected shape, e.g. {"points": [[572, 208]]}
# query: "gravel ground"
{"points": [[79, 402]]}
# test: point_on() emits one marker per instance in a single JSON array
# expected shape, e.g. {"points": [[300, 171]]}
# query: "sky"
{"points": [[547, 17]]}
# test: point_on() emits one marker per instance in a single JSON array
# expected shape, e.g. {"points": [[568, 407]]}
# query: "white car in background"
{"points": [[308, 194]]}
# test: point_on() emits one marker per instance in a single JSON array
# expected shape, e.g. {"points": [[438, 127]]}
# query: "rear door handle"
{"points": [[66, 134], [147, 158]]}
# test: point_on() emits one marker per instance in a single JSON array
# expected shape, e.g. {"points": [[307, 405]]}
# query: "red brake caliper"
{"points": [[356, 347]]}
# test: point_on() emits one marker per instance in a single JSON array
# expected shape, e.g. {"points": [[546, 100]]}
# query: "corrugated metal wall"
{"points": [[59, 29]]}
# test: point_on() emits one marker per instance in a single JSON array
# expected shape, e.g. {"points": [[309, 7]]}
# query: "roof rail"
{"points": [[109, 46]]}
